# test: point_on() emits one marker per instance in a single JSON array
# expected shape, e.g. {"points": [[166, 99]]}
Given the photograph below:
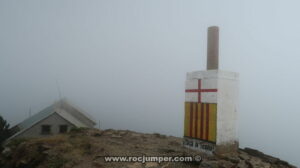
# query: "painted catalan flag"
{"points": [[200, 120]]}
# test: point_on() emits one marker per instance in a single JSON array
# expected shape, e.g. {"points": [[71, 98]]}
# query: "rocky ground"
{"points": [[86, 148]]}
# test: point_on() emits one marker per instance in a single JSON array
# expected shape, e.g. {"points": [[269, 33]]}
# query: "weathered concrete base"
{"points": [[227, 148]]}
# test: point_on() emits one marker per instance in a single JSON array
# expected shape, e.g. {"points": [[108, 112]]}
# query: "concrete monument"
{"points": [[211, 104]]}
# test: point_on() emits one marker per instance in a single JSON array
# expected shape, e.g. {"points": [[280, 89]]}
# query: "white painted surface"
{"points": [[210, 74], [206, 97], [227, 108]]}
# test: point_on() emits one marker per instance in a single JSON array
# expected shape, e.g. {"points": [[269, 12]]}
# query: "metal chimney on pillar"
{"points": [[212, 48]]}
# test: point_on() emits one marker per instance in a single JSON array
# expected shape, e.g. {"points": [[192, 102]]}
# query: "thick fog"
{"points": [[125, 62]]}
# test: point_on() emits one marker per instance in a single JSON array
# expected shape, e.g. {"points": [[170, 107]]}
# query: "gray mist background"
{"points": [[125, 62]]}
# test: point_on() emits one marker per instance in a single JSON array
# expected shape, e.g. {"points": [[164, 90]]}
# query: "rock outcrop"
{"points": [[87, 148]]}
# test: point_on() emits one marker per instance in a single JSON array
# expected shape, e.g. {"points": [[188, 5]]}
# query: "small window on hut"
{"points": [[63, 128], [46, 129]]}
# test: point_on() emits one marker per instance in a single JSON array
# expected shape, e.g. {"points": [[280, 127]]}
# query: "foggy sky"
{"points": [[125, 62]]}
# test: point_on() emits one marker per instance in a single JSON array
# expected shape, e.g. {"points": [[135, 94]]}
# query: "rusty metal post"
{"points": [[212, 48]]}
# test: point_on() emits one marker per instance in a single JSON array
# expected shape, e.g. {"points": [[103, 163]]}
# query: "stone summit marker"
{"points": [[211, 104]]}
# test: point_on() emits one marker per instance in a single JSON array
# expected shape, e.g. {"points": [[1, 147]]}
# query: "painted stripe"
{"points": [[204, 123], [191, 120], [212, 122], [199, 119], [199, 93], [196, 120], [207, 121], [202, 120], [187, 119], [185, 116]]}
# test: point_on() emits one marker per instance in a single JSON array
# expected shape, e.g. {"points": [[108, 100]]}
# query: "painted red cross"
{"points": [[199, 90]]}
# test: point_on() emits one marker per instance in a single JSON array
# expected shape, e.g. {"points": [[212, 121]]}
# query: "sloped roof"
{"points": [[37, 117], [76, 112], [67, 116], [65, 110]]}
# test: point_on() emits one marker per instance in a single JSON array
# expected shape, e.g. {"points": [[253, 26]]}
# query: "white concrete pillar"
{"points": [[211, 105]]}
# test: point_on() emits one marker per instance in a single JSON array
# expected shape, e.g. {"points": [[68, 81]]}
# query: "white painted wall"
{"points": [[227, 107], [208, 81]]}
